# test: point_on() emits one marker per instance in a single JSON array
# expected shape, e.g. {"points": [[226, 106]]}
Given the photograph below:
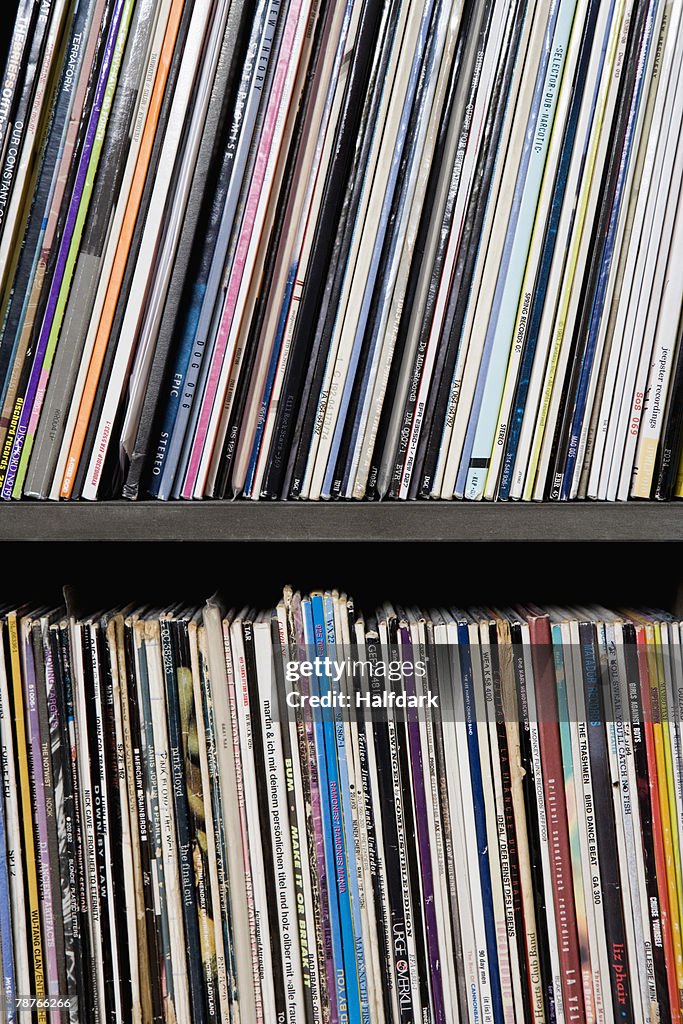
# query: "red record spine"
{"points": [[556, 814]]}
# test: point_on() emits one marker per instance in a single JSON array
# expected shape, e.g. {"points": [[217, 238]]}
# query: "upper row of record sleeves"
{"points": [[364, 249]]}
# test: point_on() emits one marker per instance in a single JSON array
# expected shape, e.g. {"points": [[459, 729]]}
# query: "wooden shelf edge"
{"points": [[341, 521]]}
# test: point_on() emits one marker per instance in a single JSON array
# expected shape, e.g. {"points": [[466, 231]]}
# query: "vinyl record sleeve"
{"points": [[334, 34], [459, 804], [625, 300], [514, 709], [201, 820], [232, 217], [509, 801], [24, 419], [484, 654], [16, 350], [156, 59], [652, 302], [396, 823], [607, 342], [369, 852], [426, 239], [29, 905], [627, 817], [182, 269], [372, 221], [375, 827], [26, 13], [607, 851], [422, 629], [578, 770], [45, 836], [149, 947], [468, 113], [479, 438], [244, 372], [551, 756], [583, 104], [362, 100], [625, 132], [94, 678], [434, 91], [476, 298], [151, 236], [199, 328], [574, 231], [302, 347], [72, 54], [476, 852], [51, 882], [225, 961], [284, 648], [576, 73], [439, 403], [54, 184], [193, 151], [95, 887], [66, 815], [247, 254], [205, 267], [74, 328], [15, 962], [22, 130], [155, 702], [220, 666], [269, 979], [279, 840], [338, 76], [572, 710], [578, 271], [82, 979], [88, 395], [120, 823]]}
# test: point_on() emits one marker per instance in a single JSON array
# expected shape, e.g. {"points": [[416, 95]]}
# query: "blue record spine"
{"points": [[364, 1005], [479, 816], [314, 633], [349, 1003]]}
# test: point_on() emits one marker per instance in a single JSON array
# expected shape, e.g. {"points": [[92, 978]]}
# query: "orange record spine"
{"points": [[122, 250]]}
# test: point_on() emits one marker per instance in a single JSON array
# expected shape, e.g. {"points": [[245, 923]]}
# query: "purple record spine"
{"points": [[318, 838], [40, 819], [36, 377], [420, 799]]}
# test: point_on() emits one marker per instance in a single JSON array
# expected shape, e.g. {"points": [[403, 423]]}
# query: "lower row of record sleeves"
{"points": [[361, 249], [308, 815]]}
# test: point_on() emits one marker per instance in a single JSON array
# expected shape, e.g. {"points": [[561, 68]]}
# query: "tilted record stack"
{"points": [[309, 816], [363, 249]]}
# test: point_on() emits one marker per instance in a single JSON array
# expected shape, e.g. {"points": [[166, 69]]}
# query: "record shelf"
{"points": [[427, 554], [297, 521], [621, 554]]}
